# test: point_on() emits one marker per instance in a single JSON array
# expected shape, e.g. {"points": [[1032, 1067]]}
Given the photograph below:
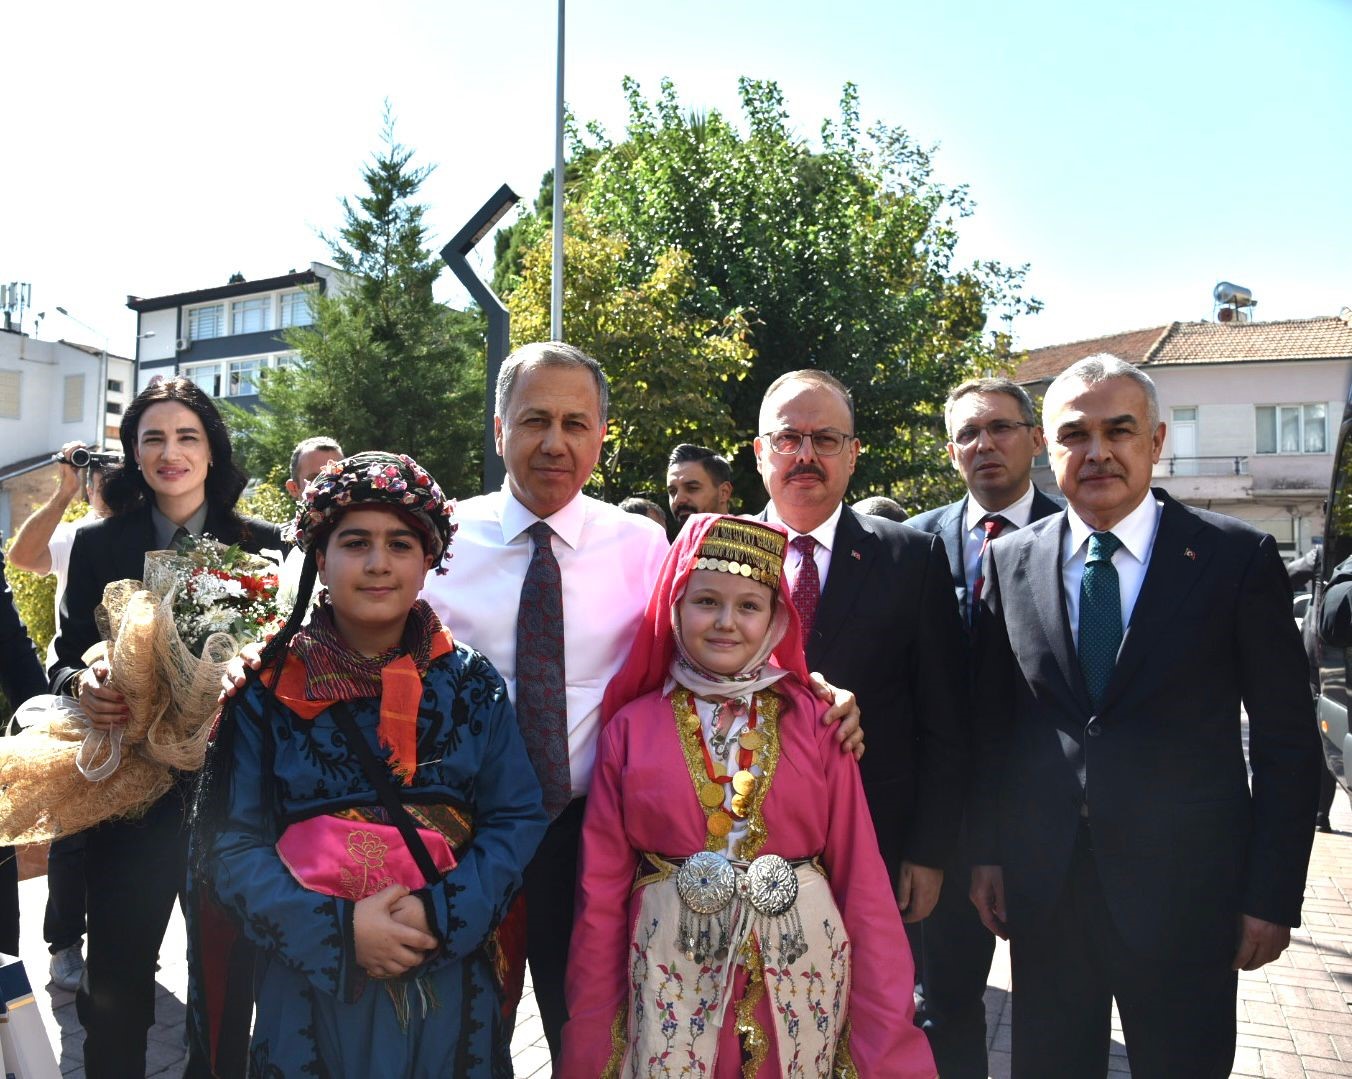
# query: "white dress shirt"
{"points": [[824, 534], [1017, 514], [1136, 531], [608, 561]]}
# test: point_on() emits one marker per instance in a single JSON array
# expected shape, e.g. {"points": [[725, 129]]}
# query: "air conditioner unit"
{"points": [[181, 345]]}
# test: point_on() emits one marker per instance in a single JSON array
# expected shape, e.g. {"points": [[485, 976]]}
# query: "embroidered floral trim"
{"points": [[755, 1044], [688, 731]]}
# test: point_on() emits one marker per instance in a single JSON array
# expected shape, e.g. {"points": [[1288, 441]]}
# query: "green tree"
{"points": [[383, 365], [841, 259], [668, 366]]}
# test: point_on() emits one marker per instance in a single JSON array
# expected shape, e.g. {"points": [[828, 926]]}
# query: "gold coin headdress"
{"points": [[744, 548]]}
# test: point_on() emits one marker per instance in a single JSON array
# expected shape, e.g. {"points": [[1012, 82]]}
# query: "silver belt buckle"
{"points": [[706, 882], [770, 885]]}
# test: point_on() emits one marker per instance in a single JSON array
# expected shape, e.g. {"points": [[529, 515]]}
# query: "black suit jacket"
{"points": [[114, 549], [1180, 844], [887, 629], [947, 522], [20, 671]]}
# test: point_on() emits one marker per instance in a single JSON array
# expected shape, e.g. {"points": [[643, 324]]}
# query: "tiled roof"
{"points": [[1325, 338], [1046, 363], [1328, 338]]}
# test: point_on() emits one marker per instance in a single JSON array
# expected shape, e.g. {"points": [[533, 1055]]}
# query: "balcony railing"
{"points": [[1207, 466]]}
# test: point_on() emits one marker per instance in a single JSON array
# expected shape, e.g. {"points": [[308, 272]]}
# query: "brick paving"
{"points": [[1294, 1016]]}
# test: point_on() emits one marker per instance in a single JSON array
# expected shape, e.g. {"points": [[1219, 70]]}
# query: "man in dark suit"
{"points": [[993, 436], [1117, 841], [879, 618]]}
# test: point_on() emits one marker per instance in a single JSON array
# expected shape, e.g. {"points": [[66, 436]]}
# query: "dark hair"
{"points": [[644, 507], [991, 385], [125, 488], [718, 468], [880, 506]]}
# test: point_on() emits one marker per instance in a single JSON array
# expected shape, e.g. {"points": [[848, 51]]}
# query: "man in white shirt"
{"points": [[993, 436], [1115, 837]]}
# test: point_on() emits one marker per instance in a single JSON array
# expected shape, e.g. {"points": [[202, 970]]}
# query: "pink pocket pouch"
{"points": [[352, 859]]}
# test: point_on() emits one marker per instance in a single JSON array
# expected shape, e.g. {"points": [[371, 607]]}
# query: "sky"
{"points": [[1132, 155]]}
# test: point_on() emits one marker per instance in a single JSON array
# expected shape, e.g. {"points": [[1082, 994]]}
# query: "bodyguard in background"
{"points": [[1115, 838], [993, 437]]}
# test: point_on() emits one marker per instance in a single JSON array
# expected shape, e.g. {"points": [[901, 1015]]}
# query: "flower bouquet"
{"points": [[167, 640]]}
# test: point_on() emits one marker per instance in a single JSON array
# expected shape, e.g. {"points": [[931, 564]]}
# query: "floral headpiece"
{"points": [[375, 479]]}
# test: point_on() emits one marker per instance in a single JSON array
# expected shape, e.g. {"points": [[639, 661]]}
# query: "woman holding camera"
{"points": [[178, 479]]}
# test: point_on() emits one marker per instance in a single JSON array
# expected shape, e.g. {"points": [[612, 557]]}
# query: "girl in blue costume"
{"points": [[364, 969]]}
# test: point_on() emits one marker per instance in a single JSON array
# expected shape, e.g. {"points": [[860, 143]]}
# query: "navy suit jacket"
{"points": [[20, 671], [947, 522], [888, 630], [1180, 843]]}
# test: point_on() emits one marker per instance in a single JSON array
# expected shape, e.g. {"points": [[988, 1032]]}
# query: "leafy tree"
{"points": [[383, 365], [841, 259], [667, 365]]}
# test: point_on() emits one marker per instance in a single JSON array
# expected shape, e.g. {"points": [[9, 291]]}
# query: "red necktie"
{"points": [[994, 524], [807, 586]]}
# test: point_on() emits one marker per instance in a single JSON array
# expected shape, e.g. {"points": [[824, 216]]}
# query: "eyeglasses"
{"points": [[997, 429], [825, 443]]}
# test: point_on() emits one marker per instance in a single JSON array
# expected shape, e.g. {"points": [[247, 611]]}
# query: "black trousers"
{"points": [[134, 871], [9, 903], [63, 922], [952, 952], [1178, 1019], [551, 880]]}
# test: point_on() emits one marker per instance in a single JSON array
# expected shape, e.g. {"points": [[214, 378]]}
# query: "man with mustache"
{"points": [[698, 481], [879, 616], [993, 437], [1116, 841]]}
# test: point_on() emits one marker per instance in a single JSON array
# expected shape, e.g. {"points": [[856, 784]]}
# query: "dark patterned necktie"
{"points": [[807, 586], [993, 524], [541, 692], [1100, 614]]}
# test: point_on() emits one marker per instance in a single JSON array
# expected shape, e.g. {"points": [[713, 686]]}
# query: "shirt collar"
{"points": [[824, 533], [1136, 530], [566, 523], [1018, 513], [165, 528]]}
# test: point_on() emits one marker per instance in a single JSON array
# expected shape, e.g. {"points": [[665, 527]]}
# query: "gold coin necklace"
{"points": [[743, 782]]}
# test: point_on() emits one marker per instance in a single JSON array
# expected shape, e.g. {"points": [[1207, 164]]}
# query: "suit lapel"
{"points": [[1181, 551], [1044, 580], [852, 554], [955, 541], [1042, 506]]}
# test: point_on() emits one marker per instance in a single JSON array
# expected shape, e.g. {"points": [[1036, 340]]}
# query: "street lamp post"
{"points": [[455, 255]]}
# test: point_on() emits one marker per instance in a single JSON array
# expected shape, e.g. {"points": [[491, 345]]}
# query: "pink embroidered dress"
{"points": [[654, 990]]}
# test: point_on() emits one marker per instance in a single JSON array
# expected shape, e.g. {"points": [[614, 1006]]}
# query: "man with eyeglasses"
{"points": [[993, 437], [879, 616]]}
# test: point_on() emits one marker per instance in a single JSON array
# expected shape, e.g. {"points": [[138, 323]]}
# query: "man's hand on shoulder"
{"points": [[1260, 942], [844, 710]]}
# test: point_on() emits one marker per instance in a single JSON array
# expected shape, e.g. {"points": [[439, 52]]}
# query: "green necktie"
{"points": [[1100, 614]]}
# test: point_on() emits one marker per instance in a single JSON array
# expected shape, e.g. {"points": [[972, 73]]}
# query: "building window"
{"points": [[9, 394], [286, 359], [251, 316], [245, 375], [207, 376], [114, 408], [1291, 428], [205, 322], [114, 385], [296, 309], [72, 407]]}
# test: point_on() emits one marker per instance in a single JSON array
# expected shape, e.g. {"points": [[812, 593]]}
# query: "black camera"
{"points": [[83, 458]]}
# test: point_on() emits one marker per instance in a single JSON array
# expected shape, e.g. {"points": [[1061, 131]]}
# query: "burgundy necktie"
{"points": [[807, 586], [994, 524], [541, 692]]}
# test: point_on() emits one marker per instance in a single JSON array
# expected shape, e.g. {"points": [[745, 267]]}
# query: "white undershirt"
{"points": [[1017, 514]]}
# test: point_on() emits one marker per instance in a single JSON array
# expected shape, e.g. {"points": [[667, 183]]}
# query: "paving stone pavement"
{"points": [[1294, 1016]]}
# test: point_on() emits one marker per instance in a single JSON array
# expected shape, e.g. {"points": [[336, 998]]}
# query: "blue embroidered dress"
{"points": [[317, 1013]]}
